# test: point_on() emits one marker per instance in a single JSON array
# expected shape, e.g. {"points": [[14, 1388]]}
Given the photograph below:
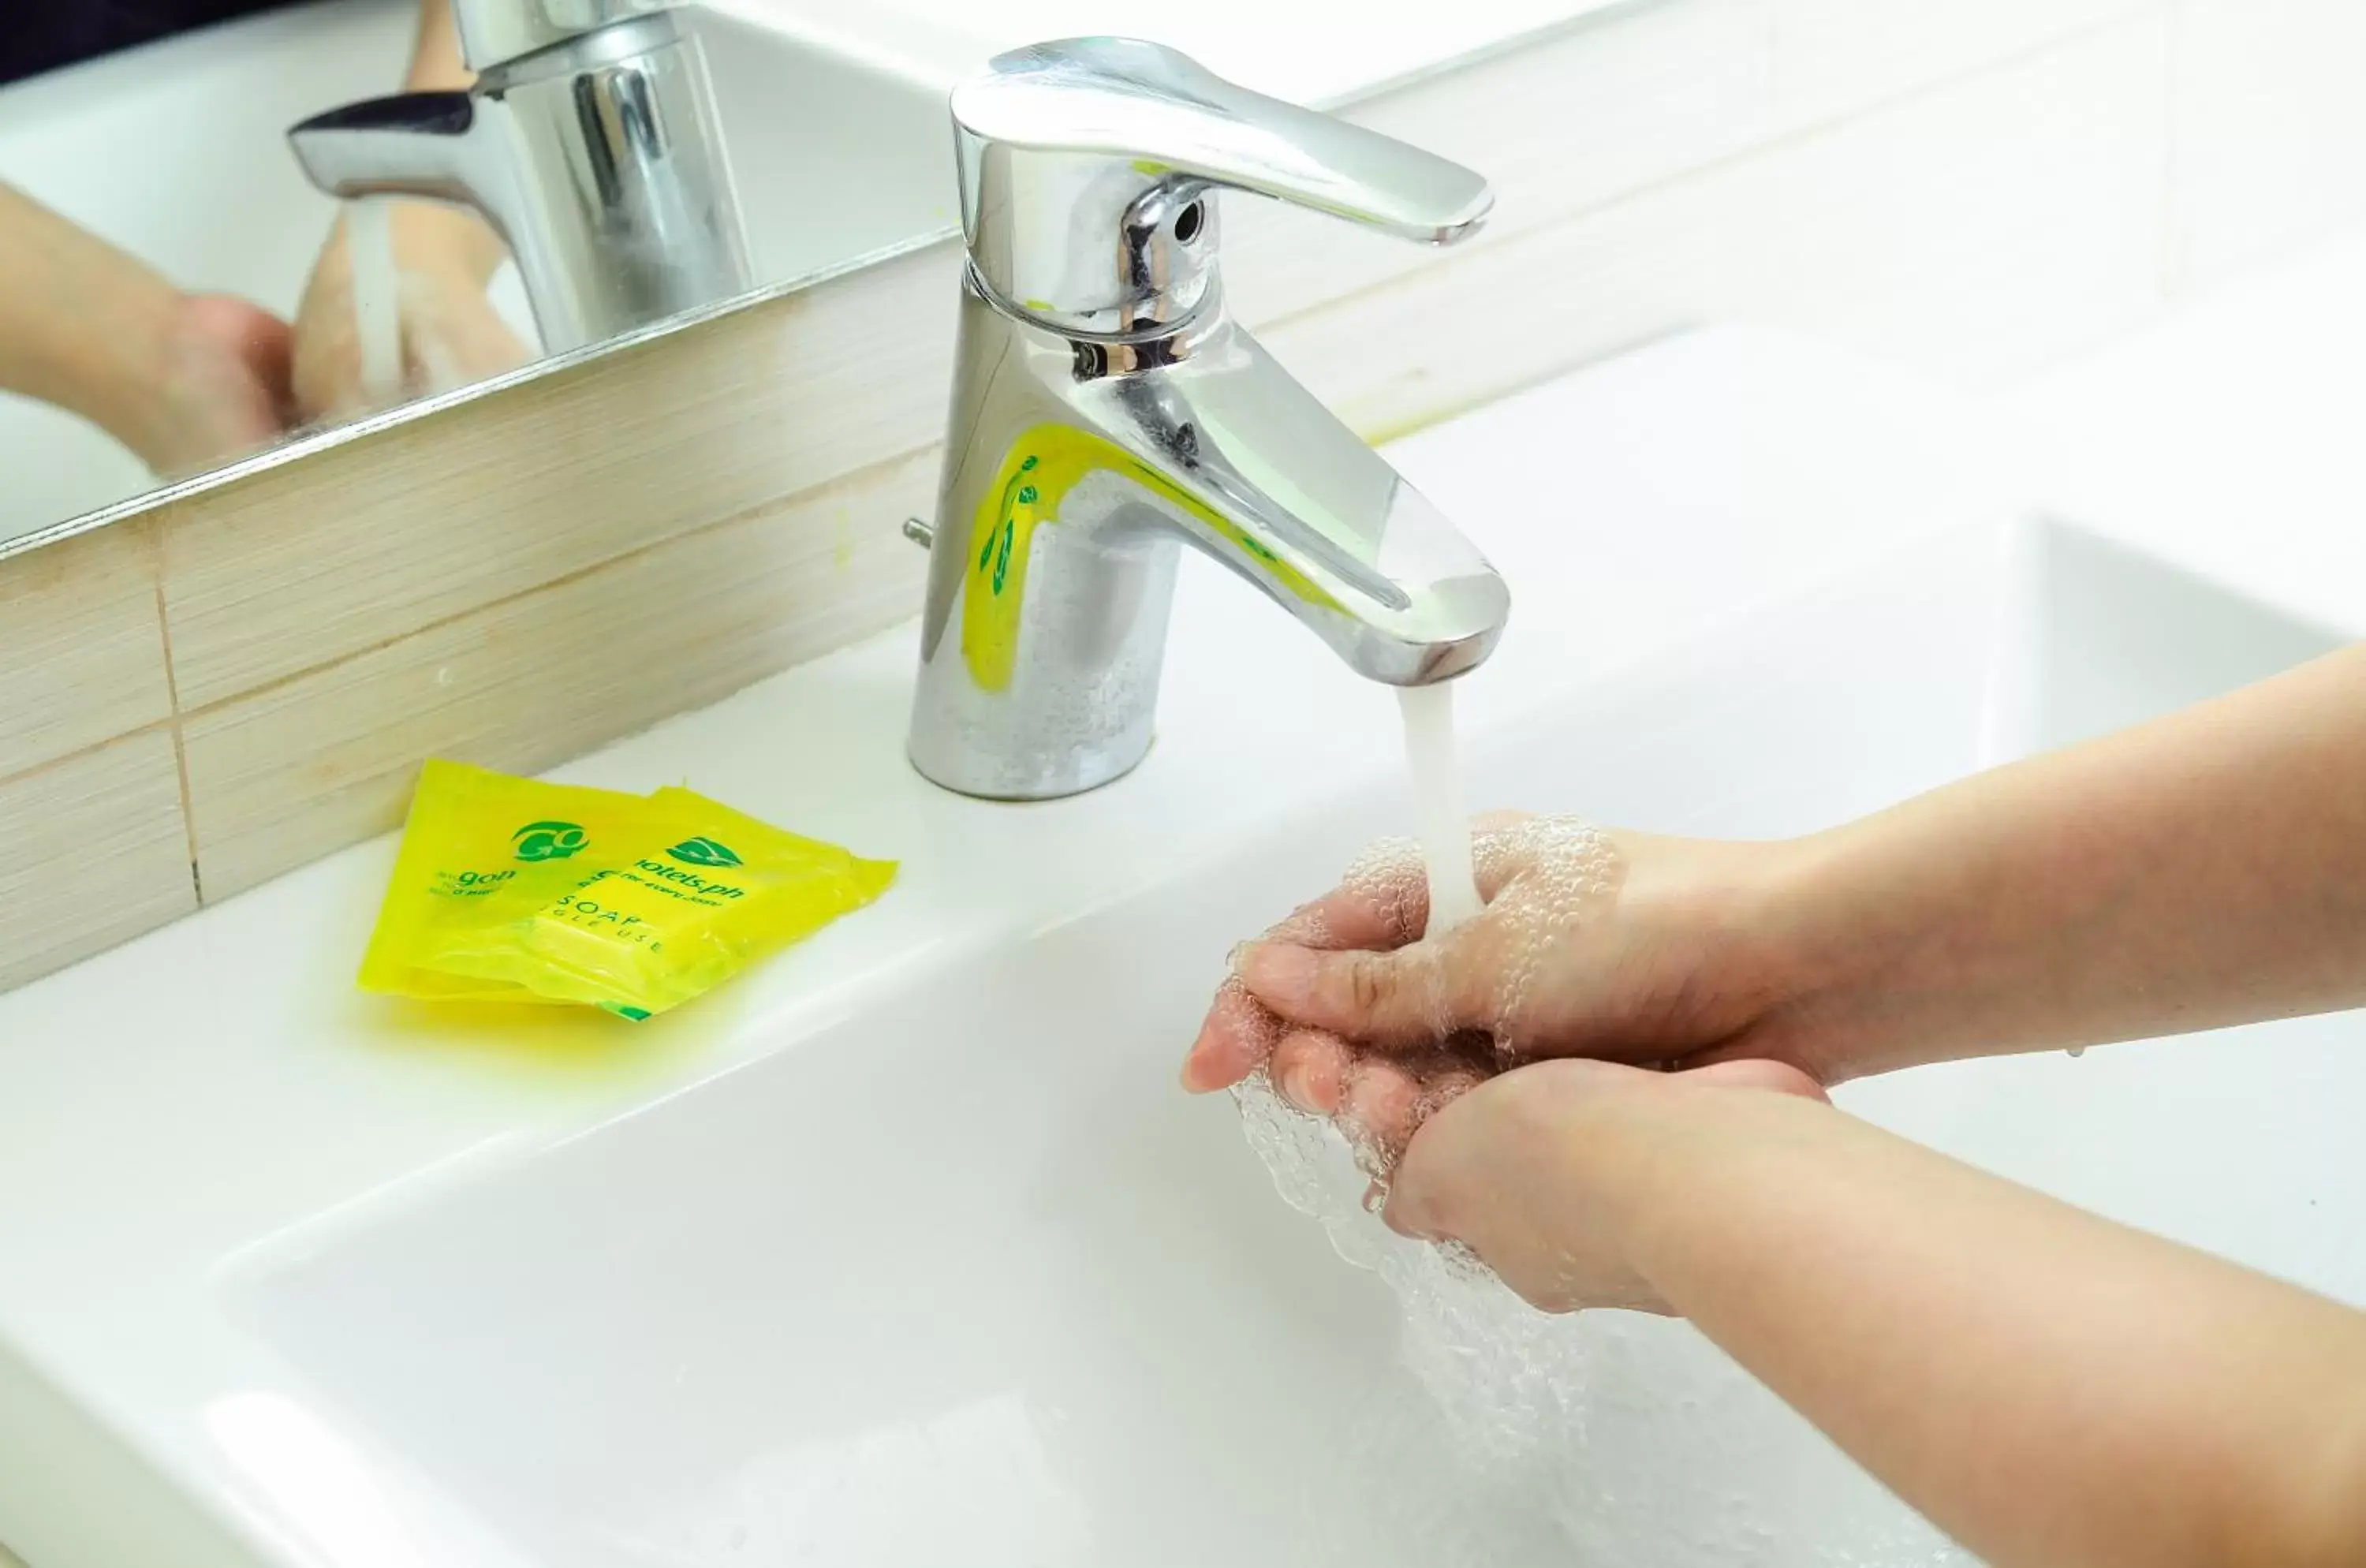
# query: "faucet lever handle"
{"points": [[1081, 142]]}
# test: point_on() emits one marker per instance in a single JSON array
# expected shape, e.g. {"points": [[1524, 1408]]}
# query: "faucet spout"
{"points": [[424, 144], [600, 160], [1254, 471]]}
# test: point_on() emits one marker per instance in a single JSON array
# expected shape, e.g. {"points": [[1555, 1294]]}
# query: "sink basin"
{"points": [[961, 1276]]}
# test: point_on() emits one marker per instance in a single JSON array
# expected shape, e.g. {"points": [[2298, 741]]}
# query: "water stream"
{"points": [[377, 299]]}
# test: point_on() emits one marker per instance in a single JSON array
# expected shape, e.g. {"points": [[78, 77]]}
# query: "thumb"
{"points": [[1431, 1196], [1415, 995]]}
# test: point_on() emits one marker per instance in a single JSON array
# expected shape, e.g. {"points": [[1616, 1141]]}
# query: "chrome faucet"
{"points": [[1106, 408], [589, 142]]}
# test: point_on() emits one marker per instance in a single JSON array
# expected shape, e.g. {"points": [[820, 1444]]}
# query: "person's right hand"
{"points": [[1545, 1172], [451, 333], [1638, 949]]}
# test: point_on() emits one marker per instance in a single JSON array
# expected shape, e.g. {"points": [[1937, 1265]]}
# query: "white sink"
{"points": [[835, 158], [963, 1278]]}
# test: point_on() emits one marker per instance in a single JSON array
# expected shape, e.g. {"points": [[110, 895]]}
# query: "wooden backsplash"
{"points": [[204, 695]]}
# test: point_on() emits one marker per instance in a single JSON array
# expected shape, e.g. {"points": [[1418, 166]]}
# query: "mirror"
{"points": [[180, 288]]}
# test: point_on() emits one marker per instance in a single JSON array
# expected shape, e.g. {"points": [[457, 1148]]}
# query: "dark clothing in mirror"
{"points": [[43, 35]]}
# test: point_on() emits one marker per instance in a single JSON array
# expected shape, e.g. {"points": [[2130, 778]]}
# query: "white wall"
{"points": [[2193, 139], [1974, 189]]}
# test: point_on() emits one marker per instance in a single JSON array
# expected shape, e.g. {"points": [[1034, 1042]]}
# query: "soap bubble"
{"points": [[1542, 877]]}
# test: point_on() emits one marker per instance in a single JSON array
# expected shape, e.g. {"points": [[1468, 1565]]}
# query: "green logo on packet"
{"points": [[703, 852], [548, 841]]}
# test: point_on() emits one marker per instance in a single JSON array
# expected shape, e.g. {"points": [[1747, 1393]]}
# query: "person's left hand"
{"points": [[1546, 1172]]}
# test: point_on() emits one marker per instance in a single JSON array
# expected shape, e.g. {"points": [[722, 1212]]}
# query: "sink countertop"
{"points": [[171, 1106], [2228, 437]]}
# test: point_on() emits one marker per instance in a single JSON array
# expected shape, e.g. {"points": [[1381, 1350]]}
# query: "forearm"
{"points": [[2203, 870], [81, 324], [2050, 1388]]}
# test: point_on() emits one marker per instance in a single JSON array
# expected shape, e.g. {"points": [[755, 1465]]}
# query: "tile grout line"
{"points": [[51, 764], [849, 480], [180, 747]]}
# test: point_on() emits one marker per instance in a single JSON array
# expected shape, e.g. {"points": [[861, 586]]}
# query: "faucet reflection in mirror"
{"points": [[589, 140], [1107, 408]]}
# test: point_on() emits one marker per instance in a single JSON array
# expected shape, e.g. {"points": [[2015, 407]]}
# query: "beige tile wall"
{"points": [[325, 757], [195, 700], [94, 848], [325, 560], [81, 648]]}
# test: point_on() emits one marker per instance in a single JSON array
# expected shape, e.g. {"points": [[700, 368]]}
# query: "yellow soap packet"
{"points": [[513, 889]]}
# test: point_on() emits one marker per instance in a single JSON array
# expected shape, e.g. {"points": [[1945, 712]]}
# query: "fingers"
{"points": [[1353, 964], [1413, 996], [1443, 1188], [1385, 1103], [1497, 855], [1423, 1198], [1383, 901], [1377, 1104], [1312, 1069], [1381, 908], [1376, 1113], [1380, 912], [1237, 1037]]}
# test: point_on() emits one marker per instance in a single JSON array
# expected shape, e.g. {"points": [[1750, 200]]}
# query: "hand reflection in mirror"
{"points": [[189, 380], [184, 380], [444, 258]]}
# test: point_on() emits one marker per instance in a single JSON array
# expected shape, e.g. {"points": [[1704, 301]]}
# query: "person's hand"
{"points": [[1545, 1172], [451, 333], [1592, 944], [219, 390]]}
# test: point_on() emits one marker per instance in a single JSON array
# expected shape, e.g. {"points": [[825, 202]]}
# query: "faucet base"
{"points": [[1056, 697], [1106, 771]]}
